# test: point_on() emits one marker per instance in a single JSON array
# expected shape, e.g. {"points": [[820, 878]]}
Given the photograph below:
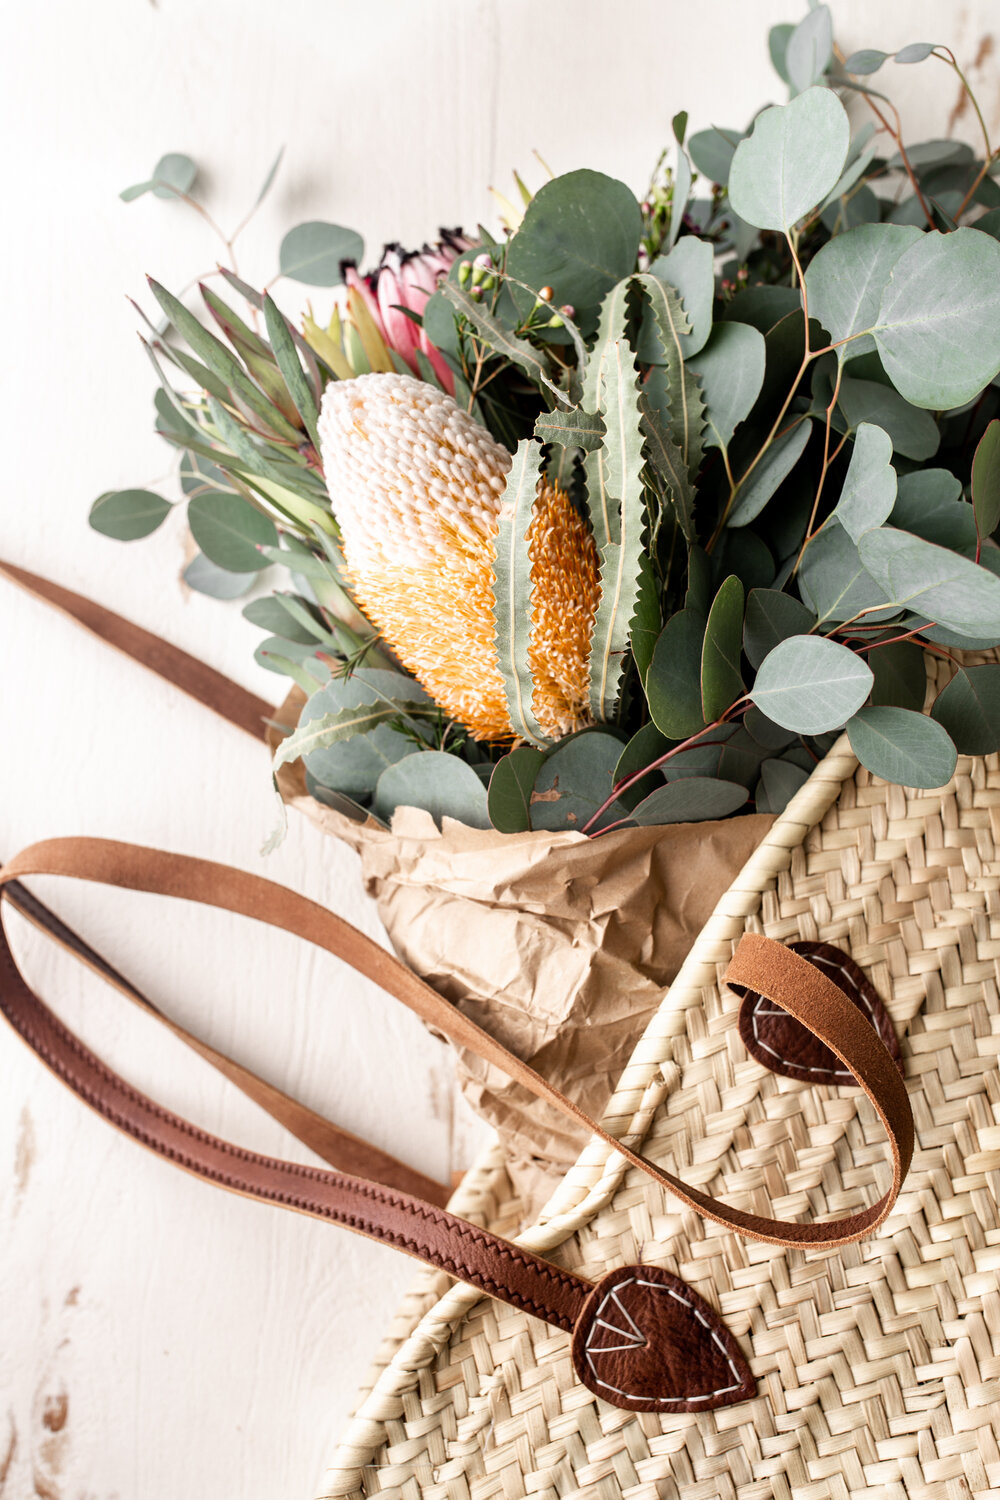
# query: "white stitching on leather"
{"points": [[818, 962], [640, 1341]]}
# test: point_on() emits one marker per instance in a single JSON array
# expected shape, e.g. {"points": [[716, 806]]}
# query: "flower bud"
{"points": [[545, 294]]}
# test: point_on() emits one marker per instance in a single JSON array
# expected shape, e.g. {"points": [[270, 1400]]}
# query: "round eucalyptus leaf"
{"points": [[205, 578], [575, 780], [990, 223], [928, 157], [846, 278], [270, 614], [731, 370], [914, 433], [929, 505], [230, 531], [690, 799], [673, 679], [933, 581], [128, 515], [777, 45], [864, 62], [763, 306], [902, 746], [938, 323], [767, 734], [137, 190], [915, 52], [511, 784], [986, 481], [645, 746], [712, 152], [353, 766], [969, 709], [771, 617], [755, 491], [809, 49], [811, 684], [791, 161], [834, 581], [690, 269], [851, 211], [900, 669], [173, 174], [740, 758], [743, 552], [779, 781], [580, 235], [721, 681], [439, 783], [869, 491], [314, 252], [683, 177]]}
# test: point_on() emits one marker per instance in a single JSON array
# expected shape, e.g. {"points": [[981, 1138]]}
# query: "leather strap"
{"points": [[251, 714], [759, 964], [194, 677], [341, 1149], [421, 1229]]}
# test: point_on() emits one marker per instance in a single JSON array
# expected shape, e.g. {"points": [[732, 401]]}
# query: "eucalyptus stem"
{"points": [[952, 62], [661, 760], [897, 136], [991, 155], [827, 460], [807, 357]]}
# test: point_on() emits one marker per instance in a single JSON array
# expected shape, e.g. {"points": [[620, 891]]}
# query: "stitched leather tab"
{"points": [[779, 1042], [646, 1341]]}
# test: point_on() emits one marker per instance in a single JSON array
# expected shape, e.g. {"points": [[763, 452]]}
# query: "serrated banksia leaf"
{"points": [[416, 486]]}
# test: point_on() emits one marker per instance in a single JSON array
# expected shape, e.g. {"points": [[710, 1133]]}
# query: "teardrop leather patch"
{"points": [[646, 1341], [780, 1043]]}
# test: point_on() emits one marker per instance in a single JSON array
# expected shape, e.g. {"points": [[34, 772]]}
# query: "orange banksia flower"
{"points": [[416, 485]]}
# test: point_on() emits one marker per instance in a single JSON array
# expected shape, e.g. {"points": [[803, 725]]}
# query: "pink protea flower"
{"points": [[406, 279]]}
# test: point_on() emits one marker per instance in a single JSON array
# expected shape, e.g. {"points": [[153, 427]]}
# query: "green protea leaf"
{"points": [[223, 364], [288, 363]]}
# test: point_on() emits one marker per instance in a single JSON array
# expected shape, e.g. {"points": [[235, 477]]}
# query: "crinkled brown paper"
{"points": [[558, 945]]}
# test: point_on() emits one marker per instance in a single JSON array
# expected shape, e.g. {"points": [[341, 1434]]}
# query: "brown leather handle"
{"points": [[339, 1148], [759, 964], [194, 677], [421, 1229]]}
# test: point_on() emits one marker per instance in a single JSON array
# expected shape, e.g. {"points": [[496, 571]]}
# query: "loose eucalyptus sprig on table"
{"points": [[660, 497]]}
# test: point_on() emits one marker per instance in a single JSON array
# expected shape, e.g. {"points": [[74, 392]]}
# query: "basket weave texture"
{"points": [[878, 1364]]}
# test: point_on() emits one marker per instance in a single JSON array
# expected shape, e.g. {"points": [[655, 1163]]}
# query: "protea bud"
{"points": [[416, 486], [401, 283]]}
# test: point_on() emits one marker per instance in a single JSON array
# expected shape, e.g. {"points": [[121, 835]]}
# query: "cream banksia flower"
{"points": [[416, 486]]}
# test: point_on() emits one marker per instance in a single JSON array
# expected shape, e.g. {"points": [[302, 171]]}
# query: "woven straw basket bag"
{"points": [[878, 1363], [871, 1368]]}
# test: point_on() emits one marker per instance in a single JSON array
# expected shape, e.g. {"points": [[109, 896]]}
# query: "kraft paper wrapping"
{"points": [[558, 945]]}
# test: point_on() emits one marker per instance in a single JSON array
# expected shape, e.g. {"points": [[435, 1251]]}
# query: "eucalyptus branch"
{"points": [[897, 136], [740, 705], [827, 460], [952, 61]]}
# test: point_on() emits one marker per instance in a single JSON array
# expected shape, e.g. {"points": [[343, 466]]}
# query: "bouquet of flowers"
{"points": [[616, 516]]}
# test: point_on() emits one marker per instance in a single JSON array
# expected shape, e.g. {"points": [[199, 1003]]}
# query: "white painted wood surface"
{"points": [[157, 1337]]}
